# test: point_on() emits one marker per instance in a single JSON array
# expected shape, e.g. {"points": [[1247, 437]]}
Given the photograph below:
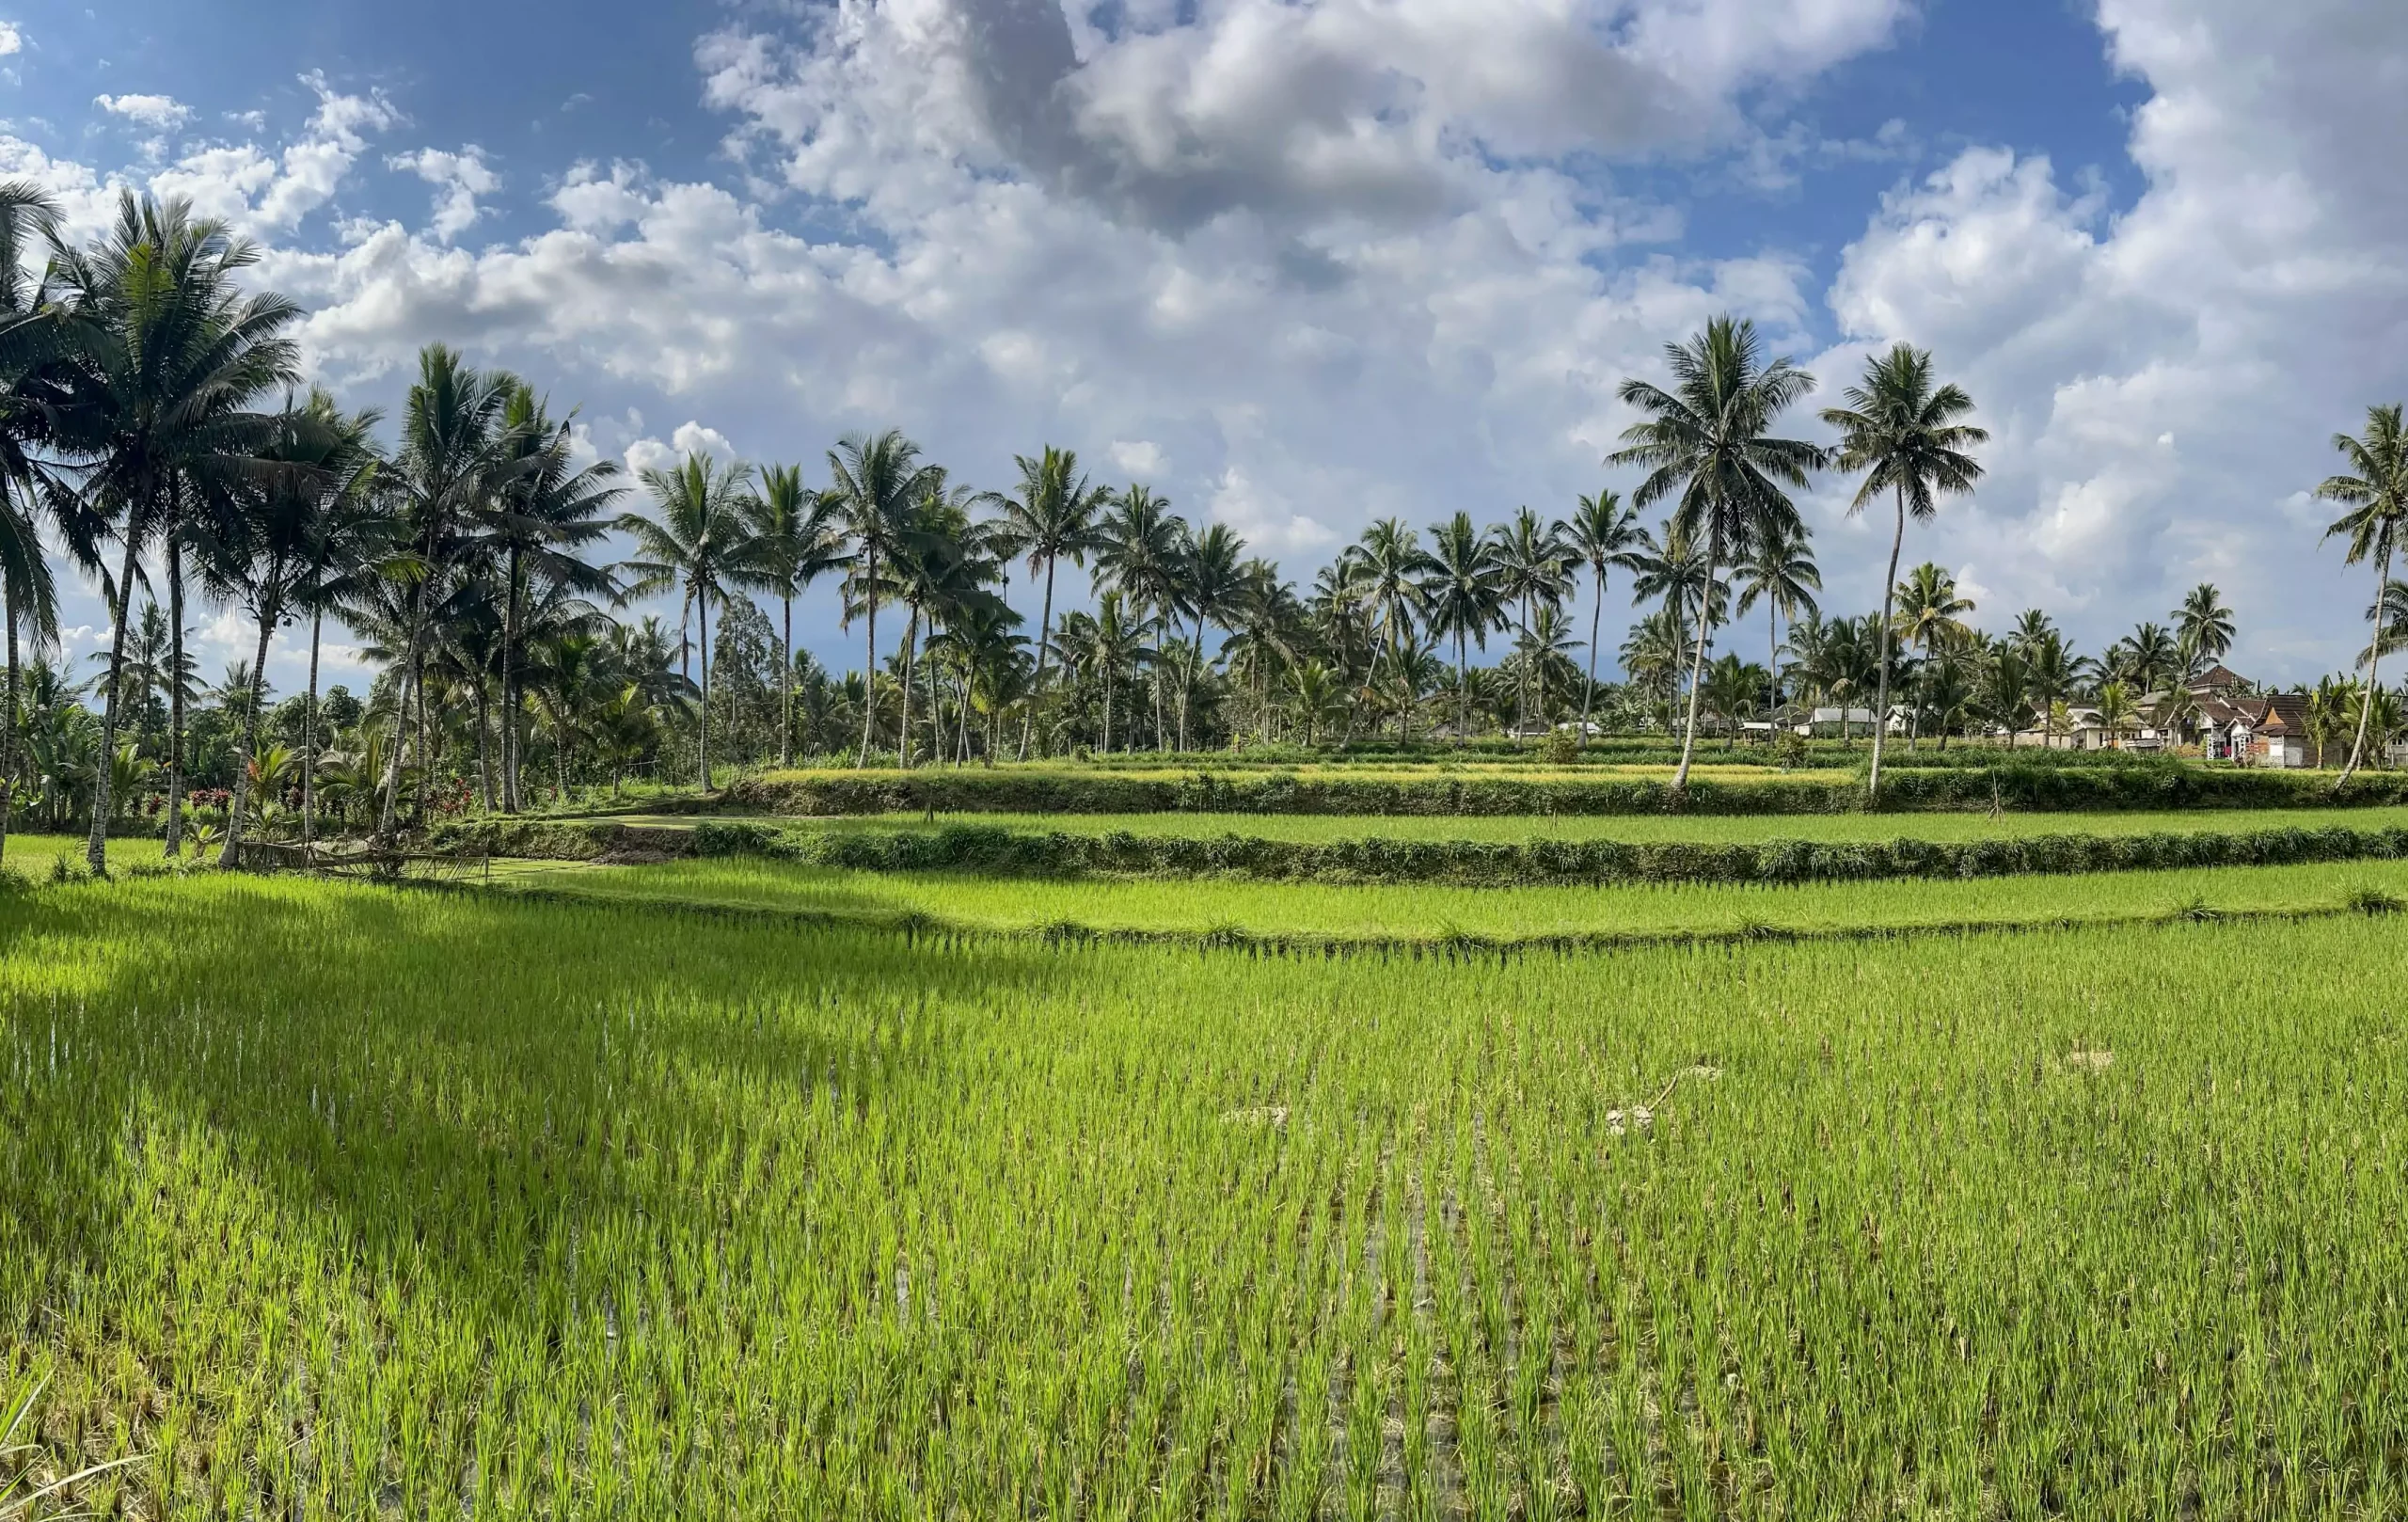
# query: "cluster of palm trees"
{"points": [[153, 425]]}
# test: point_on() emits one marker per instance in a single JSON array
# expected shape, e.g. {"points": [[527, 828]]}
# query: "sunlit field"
{"points": [[1706, 828], [1200, 907], [340, 1200]]}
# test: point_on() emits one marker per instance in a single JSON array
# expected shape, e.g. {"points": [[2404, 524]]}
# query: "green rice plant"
{"points": [[340, 1200]]}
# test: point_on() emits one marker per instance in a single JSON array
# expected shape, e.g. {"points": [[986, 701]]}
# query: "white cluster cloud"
{"points": [[1302, 264], [458, 180], [13, 42], [160, 112]]}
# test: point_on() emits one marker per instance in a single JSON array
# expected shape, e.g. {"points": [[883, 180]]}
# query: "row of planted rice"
{"points": [[332, 1200]]}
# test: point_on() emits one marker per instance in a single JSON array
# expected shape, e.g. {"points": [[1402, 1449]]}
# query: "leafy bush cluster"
{"points": [[2023, 787], [1002, 852]]}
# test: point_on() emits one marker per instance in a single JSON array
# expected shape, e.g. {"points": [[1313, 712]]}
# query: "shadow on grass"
{"points": [[444, 1085]]}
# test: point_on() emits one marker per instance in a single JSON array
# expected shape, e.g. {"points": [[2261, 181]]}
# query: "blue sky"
{"points": [[1305, 262]]}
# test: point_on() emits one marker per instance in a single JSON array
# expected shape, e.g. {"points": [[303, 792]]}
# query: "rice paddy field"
{"points": [[1702, 829], [327, 1199], [1300, 913]]}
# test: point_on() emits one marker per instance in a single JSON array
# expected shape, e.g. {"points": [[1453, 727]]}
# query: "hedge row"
{"points": [[1002, 852], [2022, 787]]}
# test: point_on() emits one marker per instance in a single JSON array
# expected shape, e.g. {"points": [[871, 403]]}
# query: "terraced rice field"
{"points": [[1703, 829], [1420, 912], [334, 1201]]}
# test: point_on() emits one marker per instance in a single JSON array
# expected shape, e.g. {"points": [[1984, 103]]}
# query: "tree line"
{"points": [[155, 428]]}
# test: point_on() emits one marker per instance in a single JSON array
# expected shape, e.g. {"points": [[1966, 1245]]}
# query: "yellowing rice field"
{"points": [[335, 1200]]}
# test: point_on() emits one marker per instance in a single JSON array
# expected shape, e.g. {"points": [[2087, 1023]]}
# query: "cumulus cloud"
{"points": [[160, 112], [11, 40], [2162, 383], [458, 180]]}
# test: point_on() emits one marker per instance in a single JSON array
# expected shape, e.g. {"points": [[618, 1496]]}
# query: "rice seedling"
{"points": [[1465, 917], [339, 1200]]}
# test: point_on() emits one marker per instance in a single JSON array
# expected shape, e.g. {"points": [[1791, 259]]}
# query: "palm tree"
{"points": [[1780, 569], [164, 354], [265, 556], [2115, 709], [2006, 691], [1533, 565], [1602, 532], [2052, 671], [1141, 545], [1053, 517], [2148, 657], [2032, 625], [702, 541], [1213, 577], [1465, 598], [29, 333], [532, 529], [2205, 624], [795, 530], [1731, 689], [355, 544], [453, 459], [877, 480], [1319, 691], [1707, 438], [1904, 432], [2376, 494], [1385, 567], [1929, 612], [1545, 651]]}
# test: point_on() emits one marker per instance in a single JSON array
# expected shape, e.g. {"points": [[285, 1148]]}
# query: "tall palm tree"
{"points": [[265, 556], [165, 354], [28, 340], [1386, 567], [876, 481], [2050, 668], [1464, 594], [2206, 623], [699, 540], [1141, 545], [1602, 532], [1533, 565], [796, 531], [1778, 569], [1052, 518], [546, 510], [453, 460], [1213, 574], [2148, 655], [1708, 438], [1906, 432], [2375, 491], [355, 544], [1929, 612]]}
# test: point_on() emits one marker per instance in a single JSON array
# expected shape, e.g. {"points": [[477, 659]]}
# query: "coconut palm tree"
{"points": [[2116, 710], [1544, 653], [1778, 568], [1318, 689], [1732, 689], [1534, 563], [265, 555], [164, 354], [699, 539], [1929, 612], [2053, 675], [1463, 592], [531, 532], [453, 459], [2375, 491], [1708, 440], [1906, 432], [2205, 624], [1212, 577], [355, 543], [28, 342], [796, 533], [1602, 532], [1052, 518], [1141, 545], [876, 481], [1385, 568]]}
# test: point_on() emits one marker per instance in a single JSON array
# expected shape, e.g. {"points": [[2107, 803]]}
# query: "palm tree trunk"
{"points": [[246, 745], [485, 746], [702, 728], [1522, 679], [96, 849], [786, 687], [1697, 667], [1888, 602], [869, 672], [175, 825], [903, 734], [412, 670], [1107, 708], [1463, 690], [1044, 643], [310, 740], [9, 727], [1596, 625], [2374, 657]]}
